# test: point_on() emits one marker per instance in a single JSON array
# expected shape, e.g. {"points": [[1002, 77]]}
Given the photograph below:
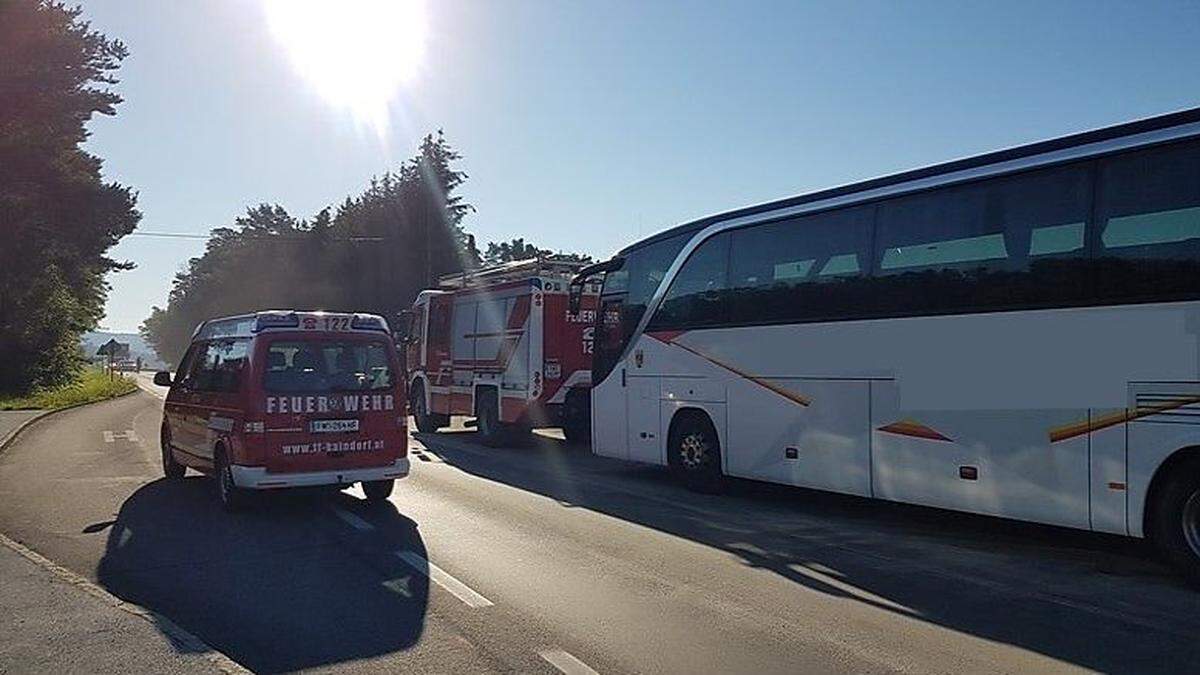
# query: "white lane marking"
{"points": [[128, 435], [153, 390], [566, 663], [353, 520], [443, 579]]}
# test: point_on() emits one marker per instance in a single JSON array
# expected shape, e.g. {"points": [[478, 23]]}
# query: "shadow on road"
{"points": [[280, 587], [1095, 601]]}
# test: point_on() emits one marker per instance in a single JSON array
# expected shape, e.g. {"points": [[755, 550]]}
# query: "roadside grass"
{"points": [[93, 384]]}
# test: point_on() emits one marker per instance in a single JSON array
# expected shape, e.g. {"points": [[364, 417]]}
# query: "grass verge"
{"points": [[92, 385]]}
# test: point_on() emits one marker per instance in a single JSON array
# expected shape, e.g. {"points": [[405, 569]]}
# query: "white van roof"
{"points": [[248, 325]]}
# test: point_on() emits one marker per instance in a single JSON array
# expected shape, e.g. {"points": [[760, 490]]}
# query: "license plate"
{"points": [[333, 426]]}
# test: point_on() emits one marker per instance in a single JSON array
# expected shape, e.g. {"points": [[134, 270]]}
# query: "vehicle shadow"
{"points": [[280, 587], [1096, 601]]}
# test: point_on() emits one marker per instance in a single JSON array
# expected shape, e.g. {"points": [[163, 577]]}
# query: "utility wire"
{"points": [[191, 235]]}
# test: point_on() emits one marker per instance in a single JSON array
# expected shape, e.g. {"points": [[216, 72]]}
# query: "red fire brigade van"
{"points": [[282, 399], [499, 344]]}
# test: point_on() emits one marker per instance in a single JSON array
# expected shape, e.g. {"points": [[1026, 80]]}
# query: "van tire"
{"points": [[1175, 528], [172, 469], [694, 453], [487, 414], [378, 490], [231, 497], [427, 423]]}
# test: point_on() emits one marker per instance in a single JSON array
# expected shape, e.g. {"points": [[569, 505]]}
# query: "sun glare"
{"points": [[356, 53]]}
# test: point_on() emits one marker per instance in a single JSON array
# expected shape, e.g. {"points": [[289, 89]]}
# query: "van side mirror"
{"points": [[162, 378]]}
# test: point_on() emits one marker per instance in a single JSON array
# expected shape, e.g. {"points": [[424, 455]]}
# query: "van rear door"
{"points": [[329, 401]]}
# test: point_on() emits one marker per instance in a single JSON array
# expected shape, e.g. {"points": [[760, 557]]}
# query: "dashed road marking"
{"points": [[127, 435], [442, 578], [566, 663], [353, 520]]}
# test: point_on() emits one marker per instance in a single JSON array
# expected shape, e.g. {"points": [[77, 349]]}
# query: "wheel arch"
{"points": [[419, 380], [691, 412], [1174, 462]]}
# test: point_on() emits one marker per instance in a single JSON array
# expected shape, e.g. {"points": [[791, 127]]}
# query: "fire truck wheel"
{"points": [[694, 453], [231, 497], [378, 490], [491, 431], [171, 468], [426, 423]]}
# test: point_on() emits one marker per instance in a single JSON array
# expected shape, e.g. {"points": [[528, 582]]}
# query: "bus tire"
{"points": [[231, 497], [172, 469], [427, 423], [694, 453], [487, 414], [1175, 528], [378, 490]]}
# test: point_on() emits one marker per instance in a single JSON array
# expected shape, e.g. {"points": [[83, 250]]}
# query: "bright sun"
{"points": [[356, 53]]}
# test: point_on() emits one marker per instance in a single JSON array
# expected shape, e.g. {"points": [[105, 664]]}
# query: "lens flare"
{"points": [[357, 54]]}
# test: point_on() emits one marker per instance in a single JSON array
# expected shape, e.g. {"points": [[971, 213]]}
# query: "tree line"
{"points": [[58, 217]]}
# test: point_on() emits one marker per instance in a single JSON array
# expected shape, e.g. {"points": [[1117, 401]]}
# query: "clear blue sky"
{"points": [[587, 125]]}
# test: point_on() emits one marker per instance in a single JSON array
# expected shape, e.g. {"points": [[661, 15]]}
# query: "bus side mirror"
{"points": [[403, 328], [162, 378]]}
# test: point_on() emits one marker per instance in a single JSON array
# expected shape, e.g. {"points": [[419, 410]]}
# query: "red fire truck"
{"points": [[499, 344]]}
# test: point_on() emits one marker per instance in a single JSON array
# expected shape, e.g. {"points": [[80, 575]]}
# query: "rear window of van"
{"points": [[327, 366]]}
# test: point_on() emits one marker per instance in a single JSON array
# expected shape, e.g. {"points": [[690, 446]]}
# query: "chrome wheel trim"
{"points": [[1191, 522], [693, 450]]}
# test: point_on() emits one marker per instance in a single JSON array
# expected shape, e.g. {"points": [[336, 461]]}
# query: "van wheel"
{"points": [[378, 490], [229, 495], [694, 454], [171, 468], [426, 422], [491, 431], [1175, 529]]}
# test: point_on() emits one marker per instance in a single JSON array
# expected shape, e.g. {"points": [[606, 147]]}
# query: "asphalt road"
{"points": [[547, 559]]}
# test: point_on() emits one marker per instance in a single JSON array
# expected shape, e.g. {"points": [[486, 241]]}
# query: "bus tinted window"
{"points": [[1149, 222], [697, 294], [801, 269], [1005, 243]]}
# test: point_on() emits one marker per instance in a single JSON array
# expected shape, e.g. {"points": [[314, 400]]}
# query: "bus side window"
{"points": [[1149, 225]]}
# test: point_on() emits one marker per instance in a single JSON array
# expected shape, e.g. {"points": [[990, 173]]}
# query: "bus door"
{"points": [[609, 421]]}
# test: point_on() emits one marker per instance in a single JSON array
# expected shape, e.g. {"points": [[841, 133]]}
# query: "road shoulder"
{"points": [[57, 621]]}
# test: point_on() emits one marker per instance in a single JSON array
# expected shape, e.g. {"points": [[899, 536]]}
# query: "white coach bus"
{"points": [[1015, 334]]}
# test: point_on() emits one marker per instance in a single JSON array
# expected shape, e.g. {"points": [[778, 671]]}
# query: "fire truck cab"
{"points": [[499, 344]]}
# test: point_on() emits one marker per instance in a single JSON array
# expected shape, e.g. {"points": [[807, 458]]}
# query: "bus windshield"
{"points": [[624, 297]]}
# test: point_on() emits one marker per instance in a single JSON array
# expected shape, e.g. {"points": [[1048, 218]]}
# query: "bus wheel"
{"points": [[231, 497], [695, 454], [1176, 525], [378, 490], [491, 431], [171, 468], [426, 423]]}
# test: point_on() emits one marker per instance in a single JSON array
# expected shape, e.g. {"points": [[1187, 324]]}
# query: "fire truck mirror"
{"points": [[575, 295], [403, 330]]}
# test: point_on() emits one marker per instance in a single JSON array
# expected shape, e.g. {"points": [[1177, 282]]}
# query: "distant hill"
{"points": [[137, 346]]}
